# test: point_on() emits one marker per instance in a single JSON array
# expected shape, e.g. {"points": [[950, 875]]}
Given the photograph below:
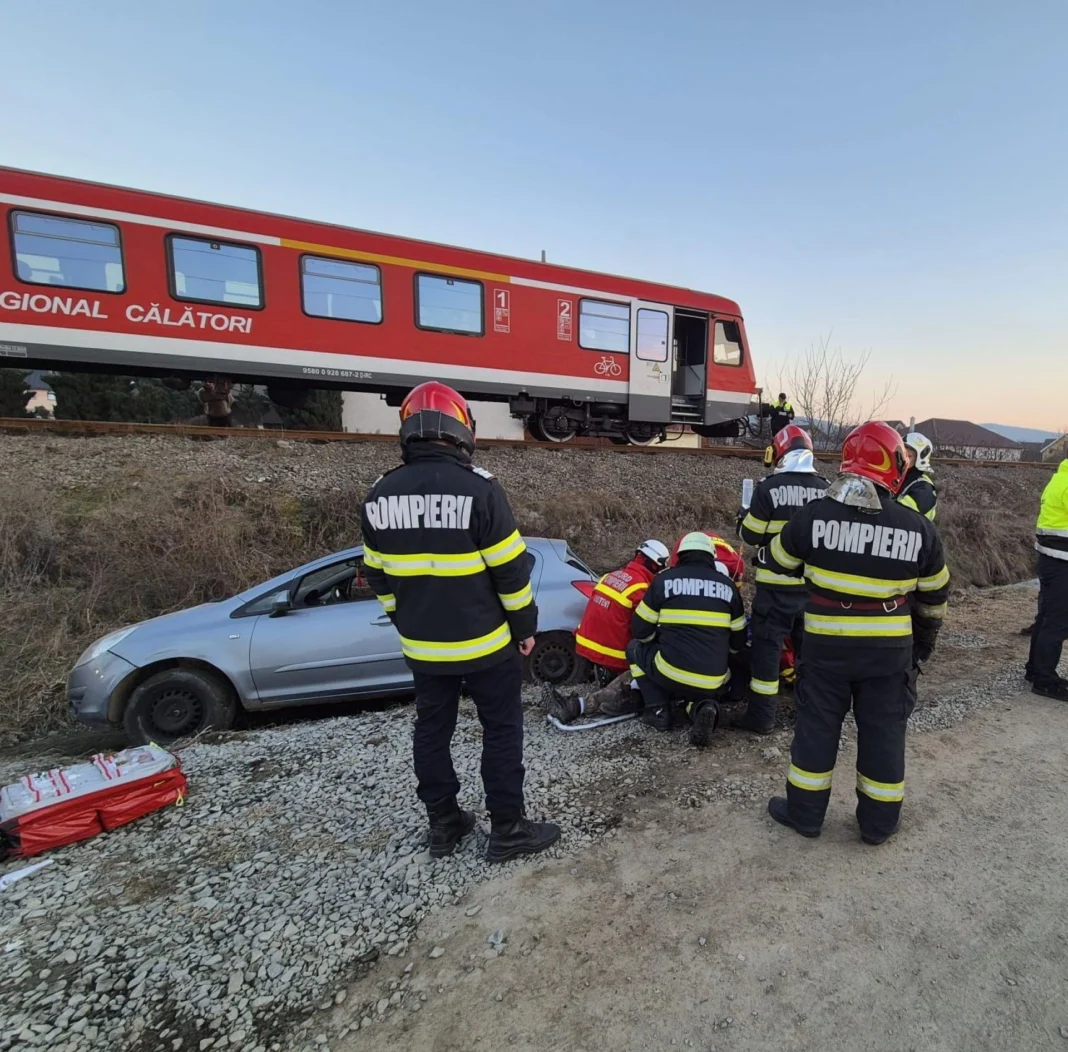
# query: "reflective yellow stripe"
{"points": [[516, 600], [908, 502], [932, 513], [769, 577], [777, 525], [764, 686], [371, 558], [428, 564], [504, 551], [738, 624], [689, 679], [597, 648], [854, 584], [751, 522], [938, 580], [389, 602], [782, 557], [887, 792], [844, 625], [460, 650], [636, 671], [616, 597], [715, 618], [647, 613], [935, 613], [808, 780], [635, 588]]}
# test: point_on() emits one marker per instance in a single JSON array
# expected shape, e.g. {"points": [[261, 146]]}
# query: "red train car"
{"points": [[100, 277]]}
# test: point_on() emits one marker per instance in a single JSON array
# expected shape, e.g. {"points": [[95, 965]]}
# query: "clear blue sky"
{"points": [[896, 173]]}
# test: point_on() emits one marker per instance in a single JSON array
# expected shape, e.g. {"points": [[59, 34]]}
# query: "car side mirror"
{"points": [[281, 606]]}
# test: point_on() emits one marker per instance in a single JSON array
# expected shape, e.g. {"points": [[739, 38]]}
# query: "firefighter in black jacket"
{"points": [[863, 554], [685, 629], [918, 491], [779, 603], [443, 555]]}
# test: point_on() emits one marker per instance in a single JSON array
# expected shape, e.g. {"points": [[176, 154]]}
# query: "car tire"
{"points": [[178, 703], [553, 660]]}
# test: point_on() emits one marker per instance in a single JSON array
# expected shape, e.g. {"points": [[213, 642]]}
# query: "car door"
{"points": [[334, 641]]}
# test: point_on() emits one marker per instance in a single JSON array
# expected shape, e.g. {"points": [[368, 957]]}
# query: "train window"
{"points": [[331, 288], [70, 253], [652, 335], [448, 304], [604, 326], [207, 271], [727, 349]]}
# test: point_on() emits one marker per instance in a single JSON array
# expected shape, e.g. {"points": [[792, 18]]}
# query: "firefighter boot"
{"points": [[448, 826], [705, 715], [658, 716], [565, 709], [779, 809], [519, 836]]}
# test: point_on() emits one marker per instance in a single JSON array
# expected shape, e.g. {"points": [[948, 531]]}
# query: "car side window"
{"points": [[326, 586]]}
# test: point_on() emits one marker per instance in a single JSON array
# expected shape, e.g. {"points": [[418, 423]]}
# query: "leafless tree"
{"points": [[822, 385]]}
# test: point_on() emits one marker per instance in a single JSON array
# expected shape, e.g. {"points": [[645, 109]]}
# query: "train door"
{"points": [[689, 367], [651, 338]]}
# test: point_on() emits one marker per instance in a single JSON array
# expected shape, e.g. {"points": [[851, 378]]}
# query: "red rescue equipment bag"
{"points": [[44, 811]]}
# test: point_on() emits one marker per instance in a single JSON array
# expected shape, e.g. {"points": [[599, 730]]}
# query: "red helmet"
{"points": [[876, 451], [725, 554], [435, 411], [790, 437]]}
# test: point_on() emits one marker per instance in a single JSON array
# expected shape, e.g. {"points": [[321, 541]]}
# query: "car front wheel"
{"points": [[178, 703]]}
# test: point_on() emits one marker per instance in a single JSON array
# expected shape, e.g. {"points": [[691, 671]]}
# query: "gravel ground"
{"points": [[297, 860], [297, 866]]}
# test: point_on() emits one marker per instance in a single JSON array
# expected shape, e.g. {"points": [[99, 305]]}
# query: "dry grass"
{"points": [[74, 566], [79, 562]]}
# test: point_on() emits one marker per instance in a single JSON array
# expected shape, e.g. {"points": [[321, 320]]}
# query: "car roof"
{"points": [[544, 545]]}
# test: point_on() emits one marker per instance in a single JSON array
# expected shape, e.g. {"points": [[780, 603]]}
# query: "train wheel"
{"points": [[642, 434], [553, 427]]}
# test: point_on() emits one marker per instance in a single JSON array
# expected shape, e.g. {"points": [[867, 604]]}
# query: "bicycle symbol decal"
{"points": [[608, 366]]}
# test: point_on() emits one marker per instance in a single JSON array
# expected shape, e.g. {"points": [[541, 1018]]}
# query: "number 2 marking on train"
{"points": [[563, 319]]}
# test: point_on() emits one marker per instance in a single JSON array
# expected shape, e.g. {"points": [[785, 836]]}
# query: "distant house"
{"points": [[1057, 449], [962, 438]]}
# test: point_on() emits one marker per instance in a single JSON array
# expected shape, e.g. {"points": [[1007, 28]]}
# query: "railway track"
{"points": [[86, 428]]}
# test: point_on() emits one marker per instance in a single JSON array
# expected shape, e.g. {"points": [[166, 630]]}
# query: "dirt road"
{"points": [[952, 937]]}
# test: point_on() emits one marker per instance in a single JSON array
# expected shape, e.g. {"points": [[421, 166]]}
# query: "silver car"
{"points": [[315, 634]]}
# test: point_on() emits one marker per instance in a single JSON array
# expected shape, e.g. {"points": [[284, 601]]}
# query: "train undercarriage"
{"points": [[560, 421]]}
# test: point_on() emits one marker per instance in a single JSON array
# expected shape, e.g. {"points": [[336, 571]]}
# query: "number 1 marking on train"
{"points": [[502, 311]]}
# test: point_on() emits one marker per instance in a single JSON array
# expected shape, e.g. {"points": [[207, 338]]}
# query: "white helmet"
{"points": [[655, 551], [922, 447]]}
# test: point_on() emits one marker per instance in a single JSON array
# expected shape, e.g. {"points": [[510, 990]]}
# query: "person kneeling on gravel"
{"points": [[685, 630], [444, 557], [603, 635]]}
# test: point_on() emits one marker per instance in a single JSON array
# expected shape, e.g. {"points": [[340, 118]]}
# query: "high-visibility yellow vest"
{"points": [[1051, 530]]}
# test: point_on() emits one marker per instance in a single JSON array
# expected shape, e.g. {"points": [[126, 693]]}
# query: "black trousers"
{"points": [[776, 614], [657, 690], [496, 692], [1051, 624], [875, 683]]}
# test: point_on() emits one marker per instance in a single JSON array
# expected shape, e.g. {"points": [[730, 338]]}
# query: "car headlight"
{"points": [[103, 644]]}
